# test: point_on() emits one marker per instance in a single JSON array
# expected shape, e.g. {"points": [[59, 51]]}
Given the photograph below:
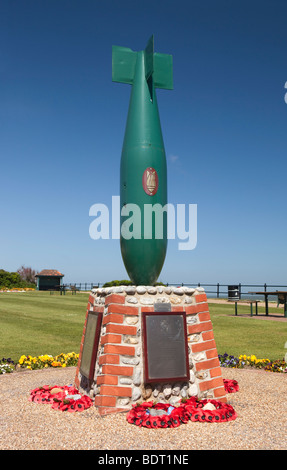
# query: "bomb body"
{"points": [[143, 169]]}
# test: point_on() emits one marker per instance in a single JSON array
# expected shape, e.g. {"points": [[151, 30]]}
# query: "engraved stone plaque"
{"points": [[165, 346], [162, 307], [91, 342]]}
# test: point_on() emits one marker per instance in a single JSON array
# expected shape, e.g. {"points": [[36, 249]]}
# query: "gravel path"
{"points": [[260, 405]]}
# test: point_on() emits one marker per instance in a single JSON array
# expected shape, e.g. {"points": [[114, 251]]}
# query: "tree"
{"points": [[9, 280], [27, 274]]}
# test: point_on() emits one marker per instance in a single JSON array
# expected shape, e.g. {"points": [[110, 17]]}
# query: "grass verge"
{"points": [[38, 323]]}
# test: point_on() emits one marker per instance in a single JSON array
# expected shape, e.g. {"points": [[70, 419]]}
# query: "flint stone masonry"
{"points": [[118, 381]]}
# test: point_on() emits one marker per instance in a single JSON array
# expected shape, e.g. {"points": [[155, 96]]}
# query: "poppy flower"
{"points": [[231, 386], [180, 415]]}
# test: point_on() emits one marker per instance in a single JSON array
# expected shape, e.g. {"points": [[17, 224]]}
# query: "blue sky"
{"points": [[62, 123]]}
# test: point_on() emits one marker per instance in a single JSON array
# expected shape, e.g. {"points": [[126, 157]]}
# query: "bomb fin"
{"points": [[123, 64]]}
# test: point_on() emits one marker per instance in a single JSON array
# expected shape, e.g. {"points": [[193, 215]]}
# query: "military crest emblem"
{"points": [[150, 181]]}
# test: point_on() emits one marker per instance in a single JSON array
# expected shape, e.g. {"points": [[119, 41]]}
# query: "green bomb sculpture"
{"points": [[143, 173]]}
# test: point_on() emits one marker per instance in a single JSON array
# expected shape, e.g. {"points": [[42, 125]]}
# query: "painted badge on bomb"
{"points": [[150, 181]]}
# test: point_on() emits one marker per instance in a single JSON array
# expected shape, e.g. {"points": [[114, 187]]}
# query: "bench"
{"points": [[73, 289], [250, 302], [61, 289], [280, 299]]}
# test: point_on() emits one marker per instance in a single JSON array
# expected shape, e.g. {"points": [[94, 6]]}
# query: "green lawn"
{"points": [[248, 335], [38, 323]]}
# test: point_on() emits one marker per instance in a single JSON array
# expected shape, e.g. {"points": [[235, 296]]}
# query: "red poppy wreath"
{"points": [[61, 398], [159, 415], [163, 415], [212, 411]]}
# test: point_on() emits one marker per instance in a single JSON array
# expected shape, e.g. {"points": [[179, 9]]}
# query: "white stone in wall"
{"points": [[130, 340], [200, 356], [147, 301], [123, 401], [147, 392], [152, 290], [162, 300], [166, 390], [191, 377], [193, 390], [134, 361], [136, 393], [137, 376], [130, 290], [174, 400], [132, 300], [189, 290], [125, 381], [141, 289], [201, 374], [194, 338], [157, 390], [176, 389], [190, 361], [184, 393], [118, 289], [178, 291], [132, 320], [191, 319]]}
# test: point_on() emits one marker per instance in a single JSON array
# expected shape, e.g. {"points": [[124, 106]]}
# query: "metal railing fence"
{"points": [[216, 290]]}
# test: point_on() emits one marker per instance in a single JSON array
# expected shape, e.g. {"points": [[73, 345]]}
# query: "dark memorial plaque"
{"points": [[165, 346], [91, 342]]}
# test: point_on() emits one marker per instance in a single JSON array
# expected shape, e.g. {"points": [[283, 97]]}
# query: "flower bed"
{"points": [[6, 366], [252, 361], [39, 362], [71, 359], [17, 289]]}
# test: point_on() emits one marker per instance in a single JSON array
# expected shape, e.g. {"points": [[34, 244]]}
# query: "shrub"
{"points": [[125, 283], [118, 283]]}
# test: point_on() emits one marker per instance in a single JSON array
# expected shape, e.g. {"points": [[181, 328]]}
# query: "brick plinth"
{"points": [[118, 381]]}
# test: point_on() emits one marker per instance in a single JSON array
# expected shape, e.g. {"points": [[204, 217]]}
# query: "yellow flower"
{"points": [[22, 359]]}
